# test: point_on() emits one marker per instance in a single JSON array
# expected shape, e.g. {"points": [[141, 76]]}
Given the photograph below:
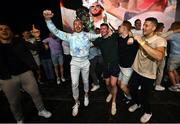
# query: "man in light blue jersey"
{"points": [[79, 50]]}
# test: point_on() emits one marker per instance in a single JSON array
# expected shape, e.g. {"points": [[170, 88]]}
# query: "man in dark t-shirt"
{"points": [[127, 49], [109, 48], [17, 63]]}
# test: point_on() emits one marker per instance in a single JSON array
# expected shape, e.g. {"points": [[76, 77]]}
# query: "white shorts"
{"points": [[125, 74]]}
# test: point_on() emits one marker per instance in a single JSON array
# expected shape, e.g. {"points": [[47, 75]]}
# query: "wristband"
{"points": [[142, 43]]}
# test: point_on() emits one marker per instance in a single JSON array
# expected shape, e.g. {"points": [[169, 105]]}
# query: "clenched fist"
{"points": [[48, 14], [138, 38]]}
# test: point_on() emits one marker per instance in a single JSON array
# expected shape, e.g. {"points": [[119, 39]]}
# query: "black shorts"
{"points": [[111, 70]]}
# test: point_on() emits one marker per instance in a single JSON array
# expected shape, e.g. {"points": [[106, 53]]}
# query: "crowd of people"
{"points": [[131, 58]]}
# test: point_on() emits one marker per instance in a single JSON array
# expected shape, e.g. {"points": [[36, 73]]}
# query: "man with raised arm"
{"points": [[79, 50]]}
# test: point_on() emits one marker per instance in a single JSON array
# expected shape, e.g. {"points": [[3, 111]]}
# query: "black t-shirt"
{"points": [[14, 64], [43, 53], [109, 48], [127, 53], [4, 72]]}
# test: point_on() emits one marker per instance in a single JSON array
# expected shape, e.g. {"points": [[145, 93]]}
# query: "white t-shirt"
{"points": [[137, 32]]}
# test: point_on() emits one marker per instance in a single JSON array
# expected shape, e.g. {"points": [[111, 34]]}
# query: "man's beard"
{"points": [[97, 14]]}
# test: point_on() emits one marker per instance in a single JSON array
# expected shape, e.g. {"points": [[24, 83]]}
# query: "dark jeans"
{"points": [[48, 68], [143, 96], [67, 60]]}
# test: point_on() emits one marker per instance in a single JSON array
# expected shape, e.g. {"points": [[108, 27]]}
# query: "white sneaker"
{"points": [[94, 84], [134, 107], [145, 118], [95, 87], [20, 122], [113, 108], [109, 97], [178, 85], [86, 100], [159, 88], [75, 109], [174, 88], [45, 113], [58, 81], [63, 79]]}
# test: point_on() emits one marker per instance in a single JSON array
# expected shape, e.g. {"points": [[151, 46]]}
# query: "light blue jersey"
{"points": [[79, 42]]}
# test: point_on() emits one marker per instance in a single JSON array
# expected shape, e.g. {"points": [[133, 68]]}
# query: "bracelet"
{"points": [[142, 43]]}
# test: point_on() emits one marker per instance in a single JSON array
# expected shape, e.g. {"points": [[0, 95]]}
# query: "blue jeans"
{"points": [[48, 68]]}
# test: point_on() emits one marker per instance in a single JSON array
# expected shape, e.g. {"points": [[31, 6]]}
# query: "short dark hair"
{"points": [[160, 25], [104, 24], [153, 20], [136, 21], [7, 24], [127, 24], [97, 29], [175, 25]]}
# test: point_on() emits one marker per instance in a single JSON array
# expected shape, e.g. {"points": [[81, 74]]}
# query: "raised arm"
{"points": [[58, 33], [170, 32], [92, 36]]}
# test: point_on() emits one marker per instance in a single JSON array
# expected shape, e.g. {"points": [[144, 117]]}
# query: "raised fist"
{"points": [[47, 14]]}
